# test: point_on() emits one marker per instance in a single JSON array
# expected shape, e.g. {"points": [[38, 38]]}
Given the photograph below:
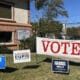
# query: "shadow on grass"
{"points": [[74, 63], [49, 60], [8, 70], [35, 66], [62, 73]]}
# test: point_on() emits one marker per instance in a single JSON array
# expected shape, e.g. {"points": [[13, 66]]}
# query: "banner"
{"points": [[57, 47], [21, 56]]}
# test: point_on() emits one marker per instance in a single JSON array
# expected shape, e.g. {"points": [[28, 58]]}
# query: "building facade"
{"points": [[14, 19]]}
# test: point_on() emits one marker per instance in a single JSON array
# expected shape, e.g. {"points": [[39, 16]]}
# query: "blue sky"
{"points": [[71, 6], [34, 14]]}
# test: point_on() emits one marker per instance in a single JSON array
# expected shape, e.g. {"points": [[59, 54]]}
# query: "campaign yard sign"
{"points": [[2, 62], [21, 56], [60, 66], [57, 47]]}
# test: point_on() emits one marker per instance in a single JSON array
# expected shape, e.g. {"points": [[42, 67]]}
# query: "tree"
{"points": [[74, 32], [54, 27], [39, 4], [47, 24], [51, 10]]}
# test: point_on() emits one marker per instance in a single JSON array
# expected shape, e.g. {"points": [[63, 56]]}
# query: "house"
{"points": [[14, 22]]}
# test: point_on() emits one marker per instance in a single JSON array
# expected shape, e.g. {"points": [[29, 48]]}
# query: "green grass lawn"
{"points": [[33, 71]]}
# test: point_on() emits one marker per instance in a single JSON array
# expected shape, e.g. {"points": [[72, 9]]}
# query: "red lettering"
{"points": [[52, 47], [75, 49], [65, 44], [55, 47], [45, 45]]}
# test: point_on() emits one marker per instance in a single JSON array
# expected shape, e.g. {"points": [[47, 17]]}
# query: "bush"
{"points": [[4, 49], [29, 43], [22, 45]]}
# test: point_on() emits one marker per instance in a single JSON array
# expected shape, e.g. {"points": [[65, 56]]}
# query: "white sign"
{"points": [[21, 56], [57, 47], [23, 34]]}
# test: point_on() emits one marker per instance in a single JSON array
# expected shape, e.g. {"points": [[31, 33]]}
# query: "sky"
{"points": [[71, 6]]}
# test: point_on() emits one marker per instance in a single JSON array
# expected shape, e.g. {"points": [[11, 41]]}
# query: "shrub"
{"points": [[29, 43], [4, 49]]}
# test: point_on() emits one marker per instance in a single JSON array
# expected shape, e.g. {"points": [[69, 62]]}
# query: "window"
{"points": [[5, 10], [23, 34], [5, 37]]}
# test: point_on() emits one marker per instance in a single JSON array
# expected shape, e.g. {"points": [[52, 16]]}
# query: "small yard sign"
{"points": [[21, 56], [60, 66], [2, 62]]}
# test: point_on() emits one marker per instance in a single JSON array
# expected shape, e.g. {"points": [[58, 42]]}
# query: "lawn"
{"points": [[37, 71]]}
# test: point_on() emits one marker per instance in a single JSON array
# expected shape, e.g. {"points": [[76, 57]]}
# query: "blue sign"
{"points": [[2, 62], [60, 66]]}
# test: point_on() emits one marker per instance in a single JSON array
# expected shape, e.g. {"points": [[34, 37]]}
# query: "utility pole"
{"points": [[64, 31]]}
